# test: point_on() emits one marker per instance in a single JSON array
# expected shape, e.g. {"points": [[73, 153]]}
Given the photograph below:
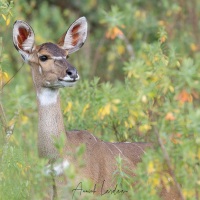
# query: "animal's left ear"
{"points": [[75, 36]]}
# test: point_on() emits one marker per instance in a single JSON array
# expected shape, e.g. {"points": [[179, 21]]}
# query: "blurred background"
{"points": [[140, 72], [103, 55]]}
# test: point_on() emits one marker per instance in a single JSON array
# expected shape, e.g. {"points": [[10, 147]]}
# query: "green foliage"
{"points": [[139, 73], [6, 13], [13, 164]]}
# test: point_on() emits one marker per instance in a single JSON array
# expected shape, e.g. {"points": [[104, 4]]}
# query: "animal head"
{"points": [[48, 61]]}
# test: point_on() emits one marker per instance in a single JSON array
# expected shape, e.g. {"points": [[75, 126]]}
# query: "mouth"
{"points": [[63, 82], [69, 79]]}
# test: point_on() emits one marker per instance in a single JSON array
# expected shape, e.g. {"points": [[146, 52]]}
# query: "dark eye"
{"points": [[43, 58], [67, 56]]}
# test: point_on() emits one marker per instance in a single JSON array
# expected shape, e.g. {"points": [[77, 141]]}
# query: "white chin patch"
{"points": [[67, 84], [67, 78]]}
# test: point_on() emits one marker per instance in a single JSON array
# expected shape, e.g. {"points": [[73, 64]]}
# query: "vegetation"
{"points": [[140, 81]]}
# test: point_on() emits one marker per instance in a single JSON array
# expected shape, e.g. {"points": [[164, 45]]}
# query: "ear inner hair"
{"points": [[23, 35]]}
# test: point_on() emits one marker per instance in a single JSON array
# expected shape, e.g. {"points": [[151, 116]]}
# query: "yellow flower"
{"points": [[150, 168], [85, 108], [171, 88], [24, 119], [120, 49], [145, 127], [188, 193], [4, 17], [130, 122], [4, 77], [155, 59], [7, 21], [69, 107], [104, 111], [166, 180], [19, 165], [116, 101], [193, 47], [141, 15], [154, 180]]}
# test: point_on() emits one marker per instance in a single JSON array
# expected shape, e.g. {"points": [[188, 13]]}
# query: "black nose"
{"points": [[72, 72]]}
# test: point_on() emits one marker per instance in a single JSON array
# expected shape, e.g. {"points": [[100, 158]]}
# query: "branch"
{"points": [[3, 120], [115, 130], [3, 117], [169, 165], [129, 47]]}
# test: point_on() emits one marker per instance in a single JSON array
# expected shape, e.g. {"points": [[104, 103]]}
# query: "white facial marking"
{"points": [[57, 169], [40, 70], [58, 57], [47, 96]]}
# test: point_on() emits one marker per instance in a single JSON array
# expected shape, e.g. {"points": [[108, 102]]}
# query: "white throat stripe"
{"points": [[47, 96]]}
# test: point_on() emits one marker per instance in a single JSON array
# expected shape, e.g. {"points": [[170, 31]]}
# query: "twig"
{"points": [[3, 117], [13, 76], [115, 131], [129, 47], [55, 195], [8, 129], [167, 159], [54, 187]]}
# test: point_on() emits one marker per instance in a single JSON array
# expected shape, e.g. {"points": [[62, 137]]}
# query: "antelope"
{"points": [[50, 71]]}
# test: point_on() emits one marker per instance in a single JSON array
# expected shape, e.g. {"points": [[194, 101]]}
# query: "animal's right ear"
{"points": [[23, 38]]}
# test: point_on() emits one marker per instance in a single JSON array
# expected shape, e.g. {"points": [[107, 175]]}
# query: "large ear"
{"points": [[75, 36], [23, 38]]}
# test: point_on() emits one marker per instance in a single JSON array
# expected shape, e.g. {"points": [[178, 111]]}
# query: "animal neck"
{"points": [[50, 124]]}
